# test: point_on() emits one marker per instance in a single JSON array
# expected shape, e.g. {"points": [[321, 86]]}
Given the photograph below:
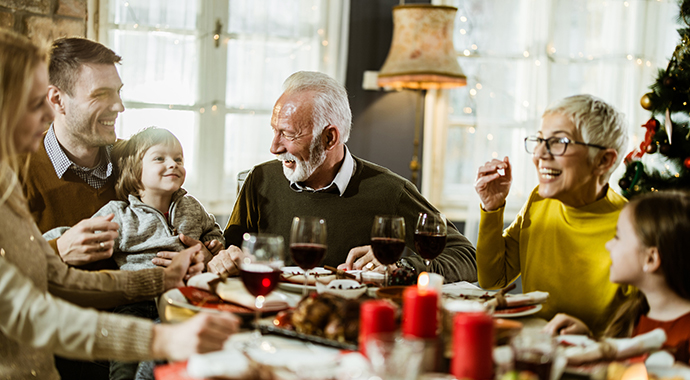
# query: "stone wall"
{"points": [[44, 19]]}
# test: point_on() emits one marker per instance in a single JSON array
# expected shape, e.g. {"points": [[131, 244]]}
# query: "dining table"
{"points": [[290, 357]]}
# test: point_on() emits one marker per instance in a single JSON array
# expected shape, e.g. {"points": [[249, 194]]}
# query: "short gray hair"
{"points": [[331, 105], [597, 121]]}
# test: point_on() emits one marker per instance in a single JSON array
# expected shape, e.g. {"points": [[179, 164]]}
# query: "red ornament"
{"points": [[652, 125], [687, 162]]}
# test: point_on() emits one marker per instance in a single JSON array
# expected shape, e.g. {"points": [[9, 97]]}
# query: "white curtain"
{"points": [[211, 70], [521, 55]]}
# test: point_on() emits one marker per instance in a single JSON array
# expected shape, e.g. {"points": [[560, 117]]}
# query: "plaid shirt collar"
{"points": [[95, 177]]}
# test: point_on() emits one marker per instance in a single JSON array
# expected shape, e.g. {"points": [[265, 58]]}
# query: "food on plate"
{"points": [[202, 298], [325, 315], [295, 275]]}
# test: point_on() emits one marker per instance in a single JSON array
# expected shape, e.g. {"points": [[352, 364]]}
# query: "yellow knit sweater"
{"points": [[557, 249]]}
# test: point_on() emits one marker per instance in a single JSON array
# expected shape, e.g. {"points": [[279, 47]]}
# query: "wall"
{"points": [[44, 20], [383, 122]]}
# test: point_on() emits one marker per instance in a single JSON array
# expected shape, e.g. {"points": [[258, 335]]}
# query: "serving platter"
{"points": [[272, 329]]}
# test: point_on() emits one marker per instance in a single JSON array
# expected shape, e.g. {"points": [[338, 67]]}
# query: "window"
{"points": [[211, 70], [521, 55]]}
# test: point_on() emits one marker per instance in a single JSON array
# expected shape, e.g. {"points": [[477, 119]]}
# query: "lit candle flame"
{"points": [[423, 281]]}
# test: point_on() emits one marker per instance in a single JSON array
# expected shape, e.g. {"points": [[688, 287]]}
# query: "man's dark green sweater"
{"points": [[267, 204]]}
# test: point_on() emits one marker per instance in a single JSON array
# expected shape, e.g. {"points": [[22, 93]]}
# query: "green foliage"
{"points": [[670, 91]]}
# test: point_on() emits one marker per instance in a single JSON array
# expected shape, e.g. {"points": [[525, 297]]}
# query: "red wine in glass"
{"points": [[307, 244], [388, 240], [307, 256], [260, 268], [259, 279], [429, 245], [387, 250], [430, 236]]}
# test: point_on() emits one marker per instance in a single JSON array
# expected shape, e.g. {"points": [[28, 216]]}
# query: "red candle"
{"points": [[375, 316], [473, 337], [420, 313]]}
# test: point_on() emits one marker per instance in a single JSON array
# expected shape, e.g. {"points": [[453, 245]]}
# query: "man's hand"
{"points": [[362, 258], [225, 262], [213, 246], [205, 332], [164, 258], [88, 241], [178, 268]]}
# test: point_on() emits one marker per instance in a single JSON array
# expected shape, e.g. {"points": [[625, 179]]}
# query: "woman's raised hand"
{"points": [[493, 183]]}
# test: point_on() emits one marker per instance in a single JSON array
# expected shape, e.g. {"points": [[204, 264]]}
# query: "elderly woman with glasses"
{"points": [[557, 240]]}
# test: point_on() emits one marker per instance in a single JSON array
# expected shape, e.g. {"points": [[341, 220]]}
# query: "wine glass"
{"points": [[388, 240], [307, 244], [430, 236], [260, 269]]}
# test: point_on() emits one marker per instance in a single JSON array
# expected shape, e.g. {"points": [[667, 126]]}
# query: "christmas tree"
{"points": [[662, 160]]}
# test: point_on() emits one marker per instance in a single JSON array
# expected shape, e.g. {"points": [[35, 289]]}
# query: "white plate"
{"points": [[519, 314], [294, 288]]}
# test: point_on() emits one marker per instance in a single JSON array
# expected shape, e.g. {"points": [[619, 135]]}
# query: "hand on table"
{"points": [[88, 241], [564, 324], [225, 262], [362, 258], [205, 332], [492, 186]]}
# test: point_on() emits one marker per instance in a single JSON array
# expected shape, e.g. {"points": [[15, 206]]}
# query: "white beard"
{"points": [[303, 169]]}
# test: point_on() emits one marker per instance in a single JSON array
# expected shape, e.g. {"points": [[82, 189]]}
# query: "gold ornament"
{"points": [[646, 101]]}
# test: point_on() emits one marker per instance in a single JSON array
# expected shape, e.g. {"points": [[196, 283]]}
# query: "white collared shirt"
{"points": [[341, 180]]}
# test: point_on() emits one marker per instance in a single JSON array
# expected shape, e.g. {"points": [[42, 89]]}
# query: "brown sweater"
{"points": [[56, 202]]}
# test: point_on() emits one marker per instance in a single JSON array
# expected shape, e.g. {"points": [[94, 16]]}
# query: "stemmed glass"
{"points": [[388, 240], [430, 236], [260, 268], [307, 244]]}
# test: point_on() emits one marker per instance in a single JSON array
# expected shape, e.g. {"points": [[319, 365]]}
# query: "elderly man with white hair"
{"points": [[315, 174]]}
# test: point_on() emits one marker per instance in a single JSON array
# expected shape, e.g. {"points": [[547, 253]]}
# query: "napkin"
{"points": [[286, 359], [220, 363], [516, 300], [614, 349], [233, 290]]}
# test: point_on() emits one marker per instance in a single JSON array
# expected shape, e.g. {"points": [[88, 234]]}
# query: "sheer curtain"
{"points": [[521, 55], [211, 70]]}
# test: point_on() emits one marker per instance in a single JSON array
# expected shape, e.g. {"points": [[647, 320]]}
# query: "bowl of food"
{"points": [[349, 289]]}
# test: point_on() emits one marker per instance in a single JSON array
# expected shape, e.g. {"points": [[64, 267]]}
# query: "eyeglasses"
{"points": [[556, 146]]}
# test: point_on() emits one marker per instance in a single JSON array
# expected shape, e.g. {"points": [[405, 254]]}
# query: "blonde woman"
{"points": [[34, 324]]}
